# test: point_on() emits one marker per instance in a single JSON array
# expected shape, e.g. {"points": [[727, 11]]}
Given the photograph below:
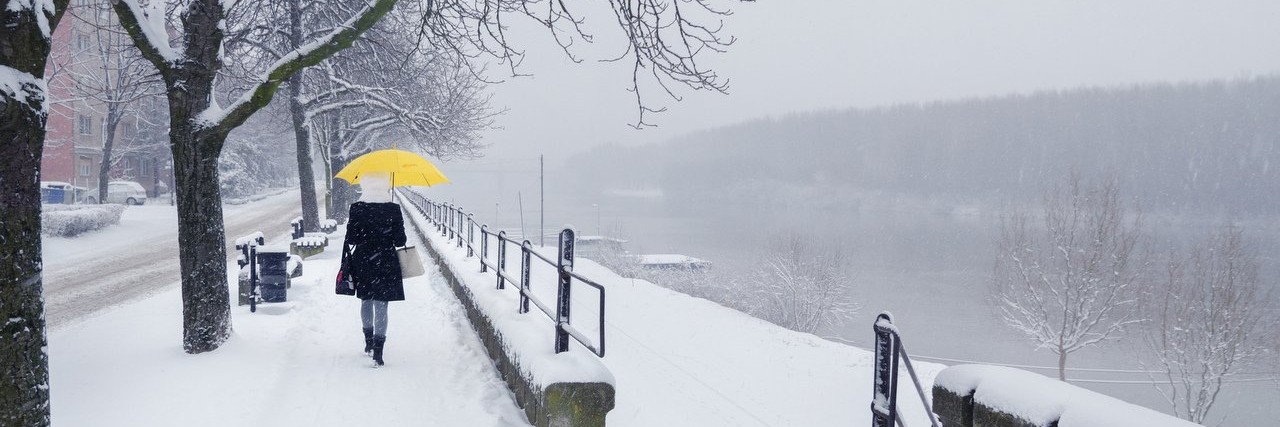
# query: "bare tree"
{"points": [[113, 76], [1207, 321], [1069, 277], [26, 29], [802, 284], [198, 128]]}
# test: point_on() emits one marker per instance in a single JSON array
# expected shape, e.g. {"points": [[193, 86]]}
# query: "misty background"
{"points": [[904, 131]]}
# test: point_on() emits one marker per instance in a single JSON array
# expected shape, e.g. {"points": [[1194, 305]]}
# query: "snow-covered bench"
{"points": [[309, 244], [328, 225]]}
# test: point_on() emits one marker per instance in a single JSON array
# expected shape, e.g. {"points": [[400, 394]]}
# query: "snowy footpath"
{"points": [[298, 363]]}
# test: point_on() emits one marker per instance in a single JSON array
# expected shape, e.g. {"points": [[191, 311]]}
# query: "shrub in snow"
{"points": [[73, 220]]}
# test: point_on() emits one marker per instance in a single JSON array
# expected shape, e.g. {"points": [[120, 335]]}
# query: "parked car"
{"points": [[127, 192]]}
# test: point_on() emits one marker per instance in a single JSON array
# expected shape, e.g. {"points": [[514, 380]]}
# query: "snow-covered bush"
{"points": [[73, 220]]}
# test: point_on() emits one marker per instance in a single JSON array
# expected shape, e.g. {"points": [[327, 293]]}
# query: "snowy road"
{"points": [[139, 256]]}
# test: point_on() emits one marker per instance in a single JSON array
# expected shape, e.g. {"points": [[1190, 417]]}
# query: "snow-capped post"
{"points": [[484, 247], [884, 396], [26, 27], [525, 286], [471, 235], [564, 264], [502, 257]]}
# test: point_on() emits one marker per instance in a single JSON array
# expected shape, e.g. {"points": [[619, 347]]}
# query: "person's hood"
{"points": [[375, 187]]}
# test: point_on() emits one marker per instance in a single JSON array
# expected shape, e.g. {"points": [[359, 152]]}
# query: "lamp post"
{"points": [[597, 206]]}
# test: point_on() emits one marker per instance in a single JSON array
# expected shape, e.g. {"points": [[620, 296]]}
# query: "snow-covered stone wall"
{"points": [[555, 390], [996, 396]]}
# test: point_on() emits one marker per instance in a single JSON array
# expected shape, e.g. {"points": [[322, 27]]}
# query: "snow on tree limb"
{"points": [[46, 13], [24, 88], [307, 55], [147, 27]]}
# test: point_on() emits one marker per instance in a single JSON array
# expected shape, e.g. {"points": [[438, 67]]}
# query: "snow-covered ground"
{"points": [[137, 257], [684, 361], [677, 360], [292, 364]]}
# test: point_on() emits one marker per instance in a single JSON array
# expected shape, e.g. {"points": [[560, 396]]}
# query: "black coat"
{"points": [[375, 230]]}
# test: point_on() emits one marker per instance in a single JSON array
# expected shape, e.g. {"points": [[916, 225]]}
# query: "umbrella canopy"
{"points": [[405, 168]]}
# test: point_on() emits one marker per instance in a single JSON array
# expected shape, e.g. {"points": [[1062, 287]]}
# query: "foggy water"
{"points": [[928, 264]]}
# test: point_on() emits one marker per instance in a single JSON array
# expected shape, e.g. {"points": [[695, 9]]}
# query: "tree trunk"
{"points": [[202, 252], [196, 146], [302, 136], [340, 190], [108, 142], [24, 365], [306, 178], [1062, 365]]}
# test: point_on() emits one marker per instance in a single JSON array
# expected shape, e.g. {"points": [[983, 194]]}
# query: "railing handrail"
{"points": [[884, 393], [449, 220]]}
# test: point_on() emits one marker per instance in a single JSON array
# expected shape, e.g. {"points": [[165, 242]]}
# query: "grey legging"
{"points": [[373, 314]]}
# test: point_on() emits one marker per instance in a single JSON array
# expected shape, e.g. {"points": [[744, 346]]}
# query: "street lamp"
{"points": [[597, 206]]}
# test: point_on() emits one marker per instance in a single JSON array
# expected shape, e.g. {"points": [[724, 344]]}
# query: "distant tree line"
{"points": [[1211, 146]]}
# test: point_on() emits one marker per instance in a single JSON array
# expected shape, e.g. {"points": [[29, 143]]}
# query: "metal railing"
{"points": [[884, 397], [459, 226]]}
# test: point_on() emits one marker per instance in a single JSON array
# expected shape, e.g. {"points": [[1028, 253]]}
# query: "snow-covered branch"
{"points": [[341, 37]]}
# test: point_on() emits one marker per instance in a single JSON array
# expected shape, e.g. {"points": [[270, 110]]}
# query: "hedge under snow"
{"points": [[73, 220]]}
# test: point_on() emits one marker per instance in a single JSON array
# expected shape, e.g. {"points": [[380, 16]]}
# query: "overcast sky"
{"points": [[805, 55]]}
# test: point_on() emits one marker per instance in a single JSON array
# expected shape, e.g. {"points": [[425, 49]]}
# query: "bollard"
{"points": [[564, 264]]}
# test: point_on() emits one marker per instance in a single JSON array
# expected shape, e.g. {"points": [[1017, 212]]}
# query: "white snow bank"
{"points": [[73, 220], [1042, 400]]}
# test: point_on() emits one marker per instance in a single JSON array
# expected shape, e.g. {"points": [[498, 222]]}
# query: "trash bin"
{"points": [[273, 273], [53, 196]]}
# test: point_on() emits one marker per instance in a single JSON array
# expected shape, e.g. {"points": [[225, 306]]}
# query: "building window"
{"points": [[145, 169], [84, 124], [82, 41], [85, 166]]}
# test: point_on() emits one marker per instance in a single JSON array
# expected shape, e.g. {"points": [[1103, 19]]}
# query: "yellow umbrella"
{"points": [[406, 168]]}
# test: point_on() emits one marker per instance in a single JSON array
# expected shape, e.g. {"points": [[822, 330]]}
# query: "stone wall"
{"points": [[577, 404]]}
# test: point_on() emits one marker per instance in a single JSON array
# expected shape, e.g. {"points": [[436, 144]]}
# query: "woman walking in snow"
{"points": [[375, 228]]}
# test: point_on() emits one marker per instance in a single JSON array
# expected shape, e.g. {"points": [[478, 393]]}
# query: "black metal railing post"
{"points": [[484, 248], [502, 257], [462, 219], [525, 286], [889, 355], [471, 235], [884, 410], [564, 264]]}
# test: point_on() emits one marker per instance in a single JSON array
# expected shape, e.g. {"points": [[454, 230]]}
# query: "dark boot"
{"points": [[368, 340], [378, 342]]}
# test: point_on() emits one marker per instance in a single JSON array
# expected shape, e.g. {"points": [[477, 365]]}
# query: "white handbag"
{"points": [[410, 263]]}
